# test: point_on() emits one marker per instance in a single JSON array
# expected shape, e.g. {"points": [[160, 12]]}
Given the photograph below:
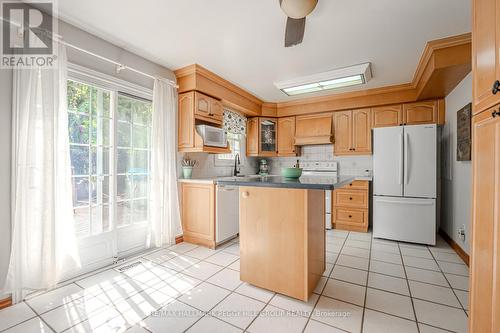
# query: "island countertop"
{"points": [[304, 182]]}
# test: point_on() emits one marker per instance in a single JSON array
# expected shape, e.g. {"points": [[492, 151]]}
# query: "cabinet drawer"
{"points": [[357, 185], [348, 198], [345, 215]]}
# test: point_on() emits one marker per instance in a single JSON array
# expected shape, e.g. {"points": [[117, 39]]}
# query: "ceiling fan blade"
{"points": [[294, 32]]}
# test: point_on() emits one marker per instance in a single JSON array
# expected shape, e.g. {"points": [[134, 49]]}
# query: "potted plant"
{"points": [[187, 167]]}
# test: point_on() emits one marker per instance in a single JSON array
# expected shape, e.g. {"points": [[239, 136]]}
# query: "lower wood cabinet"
{"points": [[485, 246], [350, 206], [198, 213]]}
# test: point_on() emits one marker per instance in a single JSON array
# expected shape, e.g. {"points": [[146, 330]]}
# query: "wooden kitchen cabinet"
{"points": [[353, 132], [350, 206], [262, 137], [286, 137], [485, 255], [388, 115], [195, 108], [207, 108], [198, 213], [314, 129], [485, 53], [419, 113], [252, 137]]}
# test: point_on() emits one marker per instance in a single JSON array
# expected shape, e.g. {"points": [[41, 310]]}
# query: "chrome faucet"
{"points": [[237, 163]]}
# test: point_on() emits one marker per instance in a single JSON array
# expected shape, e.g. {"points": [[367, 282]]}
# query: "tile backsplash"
{"points": [[347, 165], [208, 165]]}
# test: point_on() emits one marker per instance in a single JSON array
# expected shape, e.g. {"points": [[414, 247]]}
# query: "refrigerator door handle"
{"points": [[401, 163], [406, 202], [407, 157]]}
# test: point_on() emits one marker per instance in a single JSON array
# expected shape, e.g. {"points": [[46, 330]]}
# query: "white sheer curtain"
{"points": [[43, 240], [165, 215]]}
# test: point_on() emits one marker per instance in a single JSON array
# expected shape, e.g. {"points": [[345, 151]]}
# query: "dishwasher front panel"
{"points": [[227, 213]]}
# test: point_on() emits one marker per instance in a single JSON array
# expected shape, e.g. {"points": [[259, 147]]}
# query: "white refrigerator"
{"points": [[405, 183]]}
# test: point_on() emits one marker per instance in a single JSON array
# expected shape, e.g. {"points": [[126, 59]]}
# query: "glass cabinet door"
{"points": [[267, 134]]}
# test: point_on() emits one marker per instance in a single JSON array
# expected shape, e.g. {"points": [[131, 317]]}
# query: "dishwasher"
{"points": [[227, 213]]}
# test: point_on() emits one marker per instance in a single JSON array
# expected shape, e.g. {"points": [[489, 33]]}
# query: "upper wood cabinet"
{"points": [[313, 129], [262, 133], [252, 137], [286, 137], [388, 115], [207, 108], [198, 213], [485, 255], [195, 107], [352, 132], [420, 113], [485, 53]]}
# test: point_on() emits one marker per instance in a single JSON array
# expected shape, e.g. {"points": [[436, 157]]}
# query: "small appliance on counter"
{"points": [[212, 136], [263, 167]]}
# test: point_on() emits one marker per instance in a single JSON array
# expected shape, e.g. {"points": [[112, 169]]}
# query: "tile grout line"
{"points": [[327, 277], [453, 290], [409, 289], [366, 287], [39, 317]]}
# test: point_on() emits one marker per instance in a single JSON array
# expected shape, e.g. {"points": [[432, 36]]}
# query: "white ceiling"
{"points": [[242, 41]]}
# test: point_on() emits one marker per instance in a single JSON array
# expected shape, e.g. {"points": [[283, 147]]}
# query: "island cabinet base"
{"points": [[282, 239]]}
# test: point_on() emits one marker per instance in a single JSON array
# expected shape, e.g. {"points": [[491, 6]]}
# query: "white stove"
{"points": [[324, 170]]}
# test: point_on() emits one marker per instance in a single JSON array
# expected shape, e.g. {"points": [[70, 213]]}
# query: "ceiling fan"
{"points": [[296, 10]]}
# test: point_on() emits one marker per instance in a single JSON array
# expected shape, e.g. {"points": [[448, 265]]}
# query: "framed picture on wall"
{"points": [[464, 133]]}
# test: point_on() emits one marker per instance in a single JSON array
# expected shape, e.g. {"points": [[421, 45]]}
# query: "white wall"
{"points": [[456, 176], [86, 41]]}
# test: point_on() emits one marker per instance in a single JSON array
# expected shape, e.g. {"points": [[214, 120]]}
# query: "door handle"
{"points": [[494, 114], [496, 87], [407, 157], [401, 153]]}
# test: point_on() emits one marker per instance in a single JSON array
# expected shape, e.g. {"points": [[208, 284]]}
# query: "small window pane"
{"points": [[140, 186], [124, 162], [100, 130], [80, 191], [140, 211], [78, 128], [123, 213], [124, 187], [141, 161], [100, 190], [124, 109], [100, 102], [123, 135], [82, 221], [100, 219], [140, 137], [79, 160], [78, 97], [101, 160], [142, 113]]}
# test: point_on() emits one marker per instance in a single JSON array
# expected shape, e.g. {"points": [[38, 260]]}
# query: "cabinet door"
{"points": [[198, 212], [389, 115], [343, 132], [267, 136], [286, 136], [485, 258], [216, 109], [253, 137], [202, 105], [186, 120], [485, 68], [361, 131], [420, 113]]}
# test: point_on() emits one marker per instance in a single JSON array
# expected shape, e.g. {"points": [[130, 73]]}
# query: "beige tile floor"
{"points": [[370, 285]]}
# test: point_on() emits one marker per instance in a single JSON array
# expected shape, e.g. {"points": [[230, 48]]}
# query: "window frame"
{"points": [[115, 86], [224, 162]]}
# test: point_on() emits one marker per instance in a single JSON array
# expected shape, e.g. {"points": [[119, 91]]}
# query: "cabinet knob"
{"points": [[496, 87], [245, 194], [350, 198], [494, 114], [350, 216], [350, 184]]}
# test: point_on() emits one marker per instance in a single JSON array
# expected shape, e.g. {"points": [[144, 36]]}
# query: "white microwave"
{"points": [[212, 136]]}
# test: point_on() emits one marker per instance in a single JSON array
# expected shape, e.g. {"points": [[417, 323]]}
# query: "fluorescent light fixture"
{"points": [[335, 79]]}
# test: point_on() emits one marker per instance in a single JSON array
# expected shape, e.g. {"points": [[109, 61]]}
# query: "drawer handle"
{"points": [[496, 87], [350, 216], [350, 198], [245, 194]]}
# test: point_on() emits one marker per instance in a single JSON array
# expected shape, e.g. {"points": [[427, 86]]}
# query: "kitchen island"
{"points": [[282, 231]]}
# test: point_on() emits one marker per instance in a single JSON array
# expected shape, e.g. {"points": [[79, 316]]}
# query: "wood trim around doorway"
{"points": [[461, 253]]}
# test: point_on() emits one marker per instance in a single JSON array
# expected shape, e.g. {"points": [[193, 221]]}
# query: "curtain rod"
{"points": [[118, 65]]}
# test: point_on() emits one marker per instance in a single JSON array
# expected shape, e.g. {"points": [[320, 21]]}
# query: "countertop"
{"points": [[304, 182], [218, 180]]}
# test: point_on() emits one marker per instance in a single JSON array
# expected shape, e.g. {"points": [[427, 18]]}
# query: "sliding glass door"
{"points": [[110, 150]]}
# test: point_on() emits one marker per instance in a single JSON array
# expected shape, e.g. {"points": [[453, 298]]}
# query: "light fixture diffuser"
{"points": [[335, 79]]}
